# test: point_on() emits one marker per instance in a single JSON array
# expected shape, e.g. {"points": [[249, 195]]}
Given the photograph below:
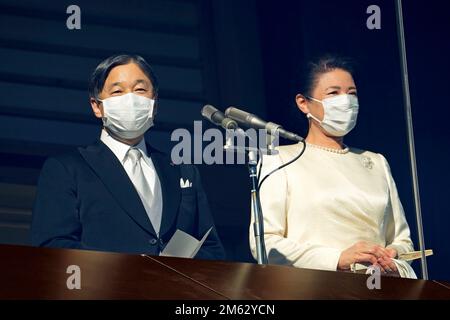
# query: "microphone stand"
{"points": [[258, 224], [256, 209]]}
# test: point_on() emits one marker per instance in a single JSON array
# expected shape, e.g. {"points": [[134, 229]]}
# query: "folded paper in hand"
{"points": [[415, 255], [183, 245], [403, 267]]}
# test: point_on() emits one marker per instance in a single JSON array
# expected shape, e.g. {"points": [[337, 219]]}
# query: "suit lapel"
{"points": [[111, 172], [169, 177]]}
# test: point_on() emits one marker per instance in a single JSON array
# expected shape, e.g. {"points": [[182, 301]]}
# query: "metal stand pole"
{"points": [[409, 123], [258, 227]]}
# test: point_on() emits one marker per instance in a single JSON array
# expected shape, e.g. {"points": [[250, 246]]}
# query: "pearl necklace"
{"points": [[339, 151]]}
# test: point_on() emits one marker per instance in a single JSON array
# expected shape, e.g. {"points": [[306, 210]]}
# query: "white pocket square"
{"points": [[185, 184]]}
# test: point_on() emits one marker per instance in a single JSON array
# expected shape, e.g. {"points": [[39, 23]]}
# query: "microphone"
{"points": [[218, 118], [253, 121]]}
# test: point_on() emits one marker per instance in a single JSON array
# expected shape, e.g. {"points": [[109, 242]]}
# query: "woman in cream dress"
{"points": [[335, 206]]}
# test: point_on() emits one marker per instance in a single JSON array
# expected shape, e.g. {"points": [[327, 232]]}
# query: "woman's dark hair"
{"points": [[310, 73], [306, 78], [102, 71]]}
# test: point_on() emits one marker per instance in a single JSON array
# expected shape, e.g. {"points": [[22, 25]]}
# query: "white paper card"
{"points": [[183, 245]]}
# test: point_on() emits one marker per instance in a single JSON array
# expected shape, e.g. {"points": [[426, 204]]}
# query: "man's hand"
{"points": [[366, 252]]}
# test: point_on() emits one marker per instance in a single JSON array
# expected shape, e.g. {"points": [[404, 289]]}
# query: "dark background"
{"points": [[225, 52]]}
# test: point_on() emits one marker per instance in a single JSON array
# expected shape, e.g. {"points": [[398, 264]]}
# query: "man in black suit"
{"points": [[120, 194]]}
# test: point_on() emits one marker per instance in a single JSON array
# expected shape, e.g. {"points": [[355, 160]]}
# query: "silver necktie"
{"points": [[143, 188]]}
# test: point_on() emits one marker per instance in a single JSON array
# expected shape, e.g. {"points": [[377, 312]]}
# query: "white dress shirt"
{"points": [[325, 202], [152, 203]]}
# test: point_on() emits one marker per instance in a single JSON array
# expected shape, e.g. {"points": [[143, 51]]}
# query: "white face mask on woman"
{"points": [[340, 114], [128, 116]]}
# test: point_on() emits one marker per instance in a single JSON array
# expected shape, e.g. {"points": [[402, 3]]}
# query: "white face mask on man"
{"points": [[340, 114], [128, 116]]}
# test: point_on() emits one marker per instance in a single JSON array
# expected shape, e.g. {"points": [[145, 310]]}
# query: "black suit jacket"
{"points": [[85, 200]]}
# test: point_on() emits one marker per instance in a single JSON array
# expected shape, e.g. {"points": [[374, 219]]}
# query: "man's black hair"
{"points": [[102, 71]]}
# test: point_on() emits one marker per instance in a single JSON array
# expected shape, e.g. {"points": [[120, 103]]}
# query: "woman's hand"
{"points": [[392, 252], [386, 261], [366, 252]]}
